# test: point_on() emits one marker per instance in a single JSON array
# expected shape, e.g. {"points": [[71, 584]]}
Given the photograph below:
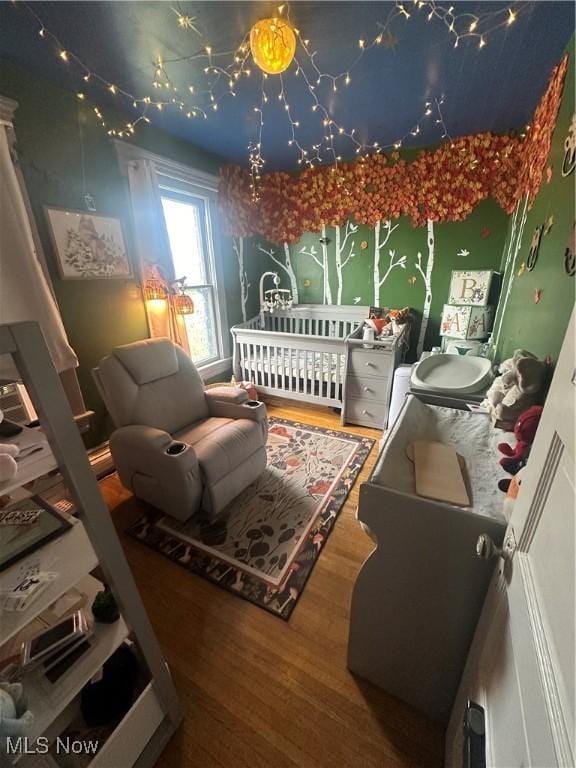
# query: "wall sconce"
{"points": [[182, 303], [154, 290]]}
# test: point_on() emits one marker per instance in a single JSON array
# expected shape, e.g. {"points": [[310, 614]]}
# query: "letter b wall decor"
{"points": [[470, 287]]}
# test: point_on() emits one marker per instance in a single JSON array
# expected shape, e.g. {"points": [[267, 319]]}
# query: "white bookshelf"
{"points": [[90, 543], [71, 556], [30, 468], [47, 701]]}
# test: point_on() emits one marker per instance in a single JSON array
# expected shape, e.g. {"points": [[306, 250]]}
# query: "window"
{"points": [[184, 199], [188, 225]]}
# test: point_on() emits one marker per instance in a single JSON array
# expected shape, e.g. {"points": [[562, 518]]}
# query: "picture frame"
{"points": [[87, 245], [18, 541]]}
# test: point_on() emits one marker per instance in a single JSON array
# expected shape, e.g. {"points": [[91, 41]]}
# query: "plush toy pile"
{"points": [[518, 387], [389, 322], [524, 431]]}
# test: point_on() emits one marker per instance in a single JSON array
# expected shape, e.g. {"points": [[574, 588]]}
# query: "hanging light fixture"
{"points": [[273, 44], [183, 304], [154, 290]]}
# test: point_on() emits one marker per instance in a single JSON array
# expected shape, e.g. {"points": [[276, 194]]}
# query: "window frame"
{"points": [[196, 183], [208, 257]]}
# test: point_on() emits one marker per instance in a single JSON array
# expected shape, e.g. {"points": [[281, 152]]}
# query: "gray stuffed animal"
{"points": [[521, 379]]}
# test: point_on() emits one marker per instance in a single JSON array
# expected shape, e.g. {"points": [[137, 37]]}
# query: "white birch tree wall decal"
{"points": [[349, 230], [427, 278], [514, 245], [238, 246], [285, 265], [323, 264], [379, 244]]}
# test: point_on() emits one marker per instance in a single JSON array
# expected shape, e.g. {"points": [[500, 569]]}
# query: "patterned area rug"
{"points": [[265, 546]]}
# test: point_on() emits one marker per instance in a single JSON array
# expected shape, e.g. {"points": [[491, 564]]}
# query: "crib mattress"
{"points": [[305, 365]]}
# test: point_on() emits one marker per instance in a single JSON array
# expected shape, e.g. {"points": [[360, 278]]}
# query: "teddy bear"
{"points": [[525, 432], [521, 378], [8, 453], [15, 718]]}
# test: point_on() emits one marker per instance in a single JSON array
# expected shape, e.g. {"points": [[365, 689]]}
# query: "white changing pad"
{"points": [[470, 434]]}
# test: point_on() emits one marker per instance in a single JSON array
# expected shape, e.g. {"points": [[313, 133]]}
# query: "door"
{"points": [[521, 669]]}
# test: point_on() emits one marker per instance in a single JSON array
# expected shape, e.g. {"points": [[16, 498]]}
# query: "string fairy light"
{"points": [[470, 25], [221, 73]]}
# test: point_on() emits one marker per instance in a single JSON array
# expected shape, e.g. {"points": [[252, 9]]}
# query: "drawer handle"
{"points": [[365, 412], [366, 389], [368, 364]]}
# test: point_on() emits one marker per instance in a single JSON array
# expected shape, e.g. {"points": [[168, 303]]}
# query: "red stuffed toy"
{"points": [[525, 432]]}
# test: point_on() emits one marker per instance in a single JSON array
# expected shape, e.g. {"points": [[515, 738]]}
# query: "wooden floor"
{"points": [[260, 692]]}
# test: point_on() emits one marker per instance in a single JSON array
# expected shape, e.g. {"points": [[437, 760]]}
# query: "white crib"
{"points": [[298, 353]]}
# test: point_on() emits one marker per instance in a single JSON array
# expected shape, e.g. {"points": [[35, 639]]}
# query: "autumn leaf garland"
{"points": [[441, 184]]}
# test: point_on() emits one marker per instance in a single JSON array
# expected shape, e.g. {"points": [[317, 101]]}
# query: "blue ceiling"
{"points": [[493, 89]]}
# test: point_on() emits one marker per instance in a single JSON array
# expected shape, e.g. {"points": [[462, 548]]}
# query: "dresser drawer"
{"points": [[368, 388], [364, 362], [366, 413]]}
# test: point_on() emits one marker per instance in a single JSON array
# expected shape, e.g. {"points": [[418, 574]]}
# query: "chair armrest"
{"points": [[226, 395], [158, 469], [256, 412], [139, 437]]}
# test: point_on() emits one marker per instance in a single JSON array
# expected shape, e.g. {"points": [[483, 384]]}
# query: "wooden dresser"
{"points": [[368, 379]]}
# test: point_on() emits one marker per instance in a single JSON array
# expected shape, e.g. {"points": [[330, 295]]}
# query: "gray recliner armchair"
{"points": [[177, 446]]}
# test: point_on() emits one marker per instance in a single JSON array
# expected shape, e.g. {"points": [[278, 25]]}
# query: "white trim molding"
{"points": [[130, 153], [215, 369]]}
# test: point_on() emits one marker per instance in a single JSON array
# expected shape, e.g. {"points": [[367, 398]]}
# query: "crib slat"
{"points": [[268, 374], [314, 372], [338, 360]]}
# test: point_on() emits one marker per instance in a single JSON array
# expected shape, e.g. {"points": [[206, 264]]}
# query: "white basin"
{"points": [[459, 374]]}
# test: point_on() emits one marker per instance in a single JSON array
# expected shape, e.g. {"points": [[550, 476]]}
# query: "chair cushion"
{"points": [[154, 383], [148, 360], [199, 430], [221, 445]]}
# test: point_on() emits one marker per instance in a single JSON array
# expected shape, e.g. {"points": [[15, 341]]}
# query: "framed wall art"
{"points": [[88, 245]]}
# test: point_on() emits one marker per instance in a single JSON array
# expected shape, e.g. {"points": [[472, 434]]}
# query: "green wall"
{"points": [[540, 328], [100, 314], [97, 314], [482, 235]]}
